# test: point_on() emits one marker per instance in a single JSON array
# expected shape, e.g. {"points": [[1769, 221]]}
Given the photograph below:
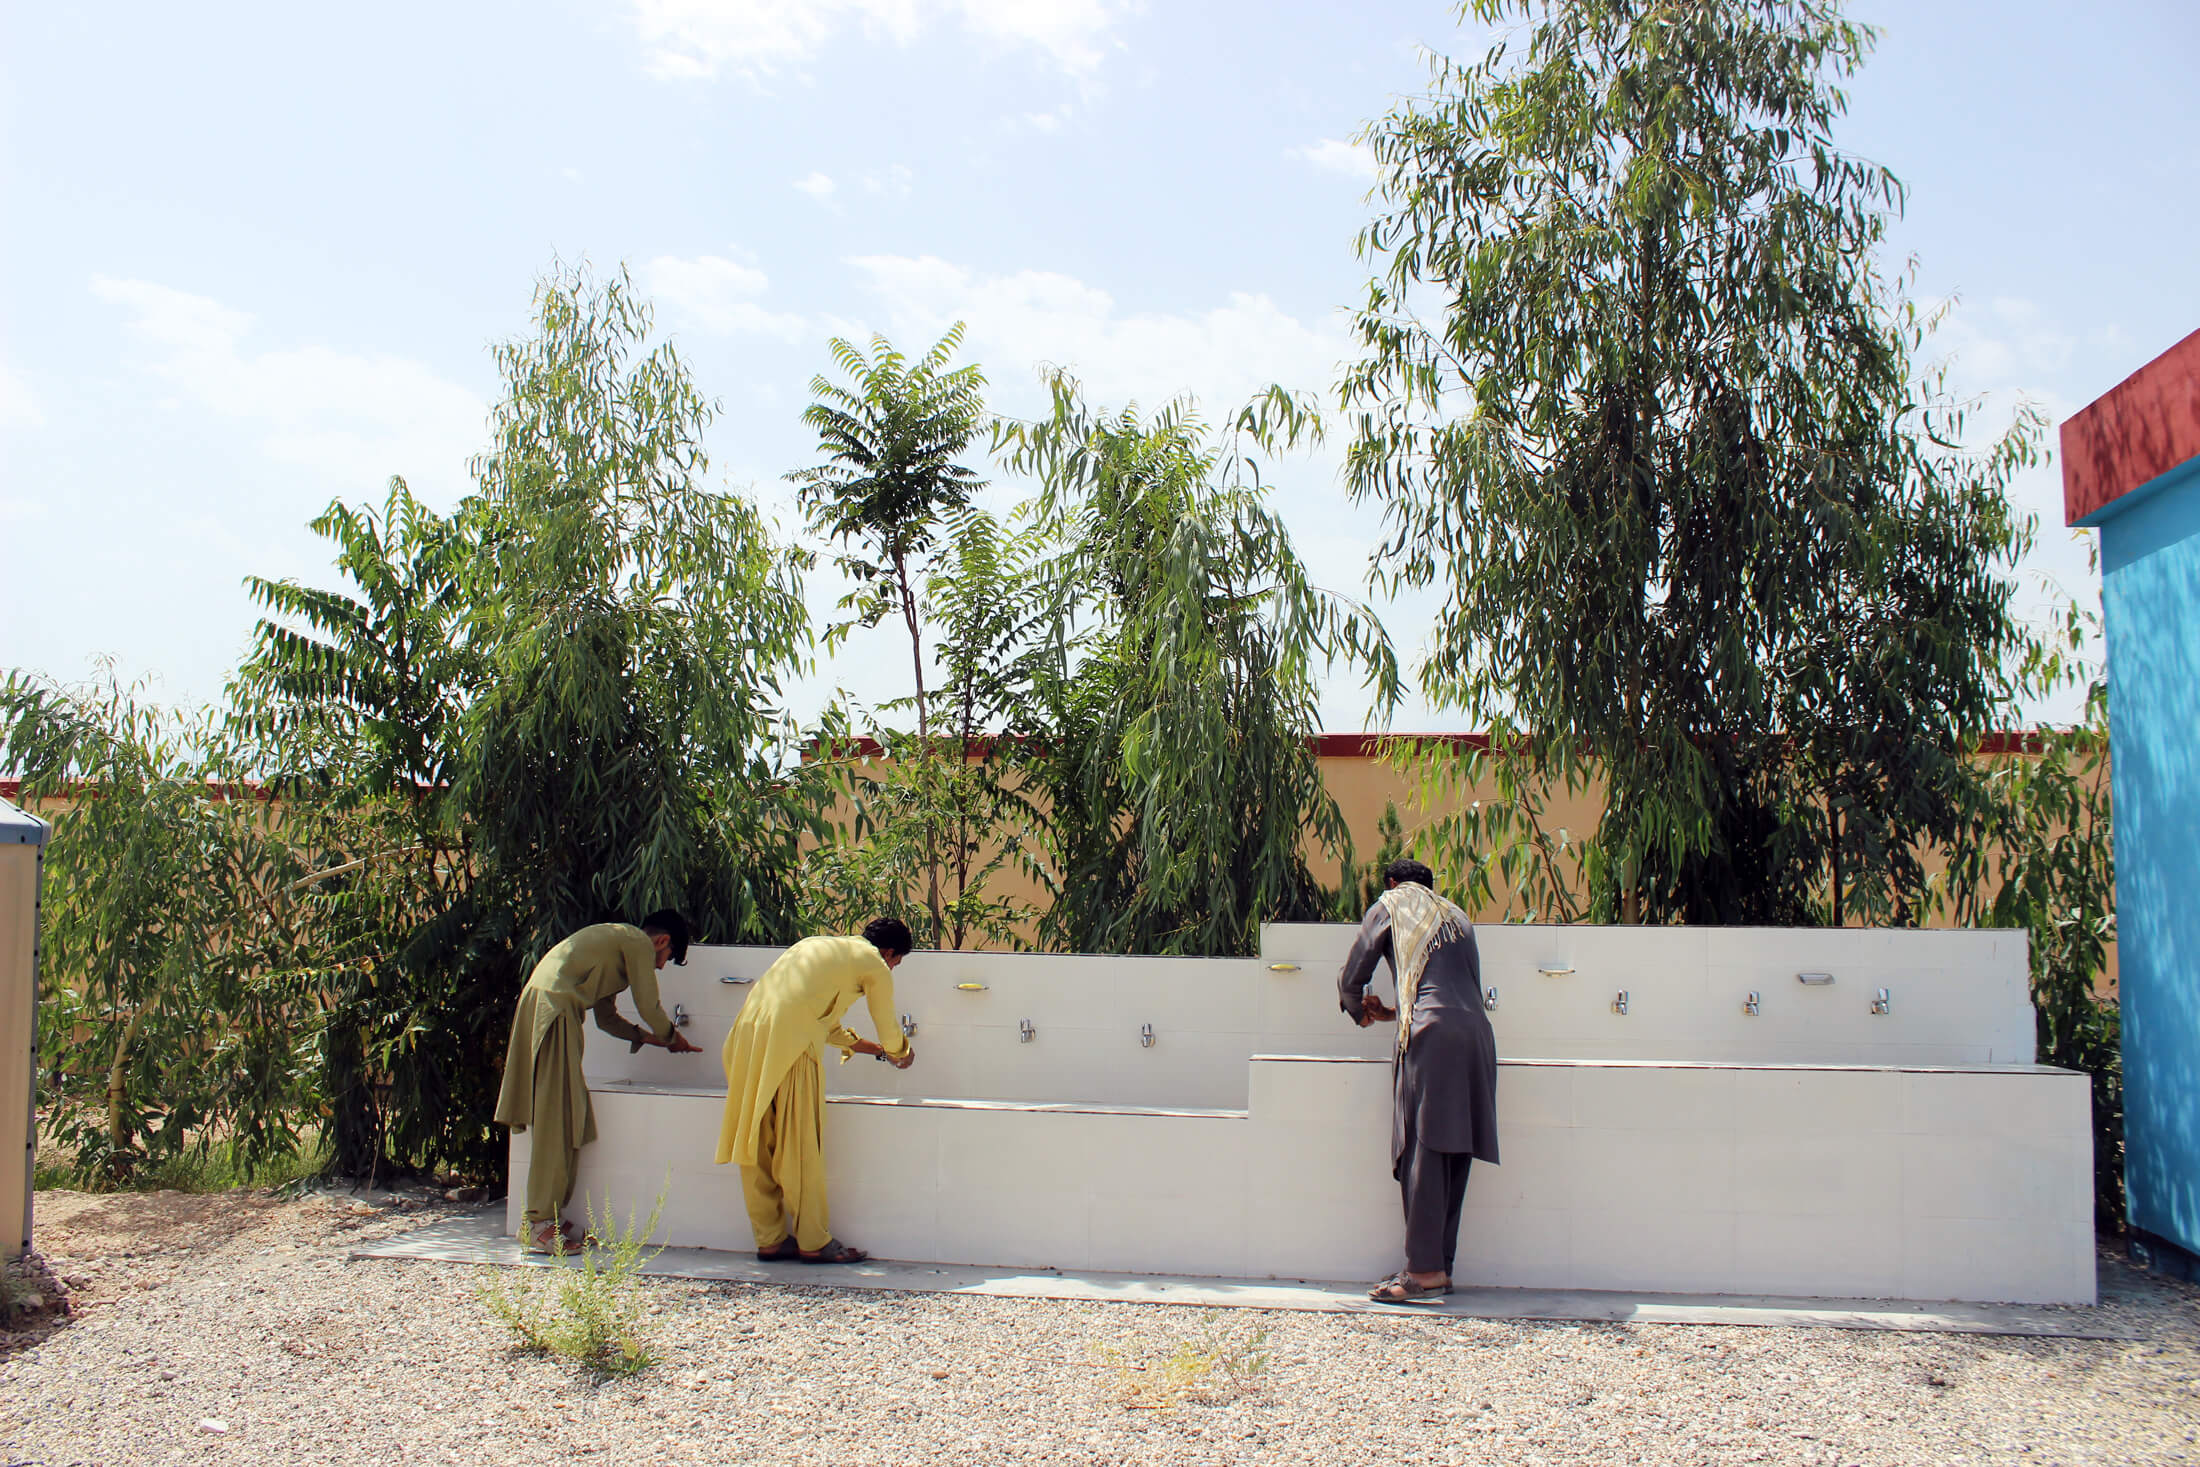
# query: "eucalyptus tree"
{"points": [[176, 999], [1636, 395], [889, 483], [636, 629], [2038, 853], [1177, 767]]}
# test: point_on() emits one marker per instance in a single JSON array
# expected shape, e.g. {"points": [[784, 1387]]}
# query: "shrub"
{"points": [[588, 1310]]}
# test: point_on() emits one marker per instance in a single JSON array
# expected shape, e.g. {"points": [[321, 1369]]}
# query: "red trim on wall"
{"points": [[2138, 430], [1326, 746], [1378, 746], [12, 790]]}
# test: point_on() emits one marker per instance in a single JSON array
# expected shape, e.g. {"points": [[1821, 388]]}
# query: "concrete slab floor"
{"points": [[480, 1238]]}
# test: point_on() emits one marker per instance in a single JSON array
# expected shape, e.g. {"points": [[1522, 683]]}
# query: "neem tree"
{"points": [[1703, 535], [888, 488], [351, 703]]}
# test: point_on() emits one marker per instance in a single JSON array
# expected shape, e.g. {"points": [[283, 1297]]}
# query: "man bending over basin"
{"points": [[775, 1081], [1443, 1113], [543, 1092]]}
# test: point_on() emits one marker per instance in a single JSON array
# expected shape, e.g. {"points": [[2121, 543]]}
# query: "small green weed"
{"points": [[1216, 1362], [587, 1310]]}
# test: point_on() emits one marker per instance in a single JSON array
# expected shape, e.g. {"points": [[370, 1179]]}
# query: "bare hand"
{"points": [[1374, 1010], [676, 1043], [905, 1059]]}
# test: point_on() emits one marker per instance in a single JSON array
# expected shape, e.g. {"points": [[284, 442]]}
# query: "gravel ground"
{"points": [[167, 1311]]}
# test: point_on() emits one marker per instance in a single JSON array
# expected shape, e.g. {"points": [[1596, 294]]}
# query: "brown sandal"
{"points": [[1402, 1290], [552, 1238], [783, 1251], [836, 1251]]}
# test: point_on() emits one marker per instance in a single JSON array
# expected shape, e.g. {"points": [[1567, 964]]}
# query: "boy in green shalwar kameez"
{"points": [[544, 1093]]}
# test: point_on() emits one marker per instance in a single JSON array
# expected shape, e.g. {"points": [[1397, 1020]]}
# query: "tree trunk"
{"points": [[962, 812], [1833, 833], [118, 1136], [924, 739]]}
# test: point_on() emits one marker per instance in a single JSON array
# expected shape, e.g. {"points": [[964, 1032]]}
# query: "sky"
{"points": [[256, 255]]}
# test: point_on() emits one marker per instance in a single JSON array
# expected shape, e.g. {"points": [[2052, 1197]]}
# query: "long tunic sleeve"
{"points": [[1445, 1084], [878, 996], [639, 959], [1370, 946]]}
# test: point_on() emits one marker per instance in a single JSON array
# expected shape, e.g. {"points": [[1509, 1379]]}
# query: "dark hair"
{"points": [[672, 925], [1404, 872], [890, 935]]}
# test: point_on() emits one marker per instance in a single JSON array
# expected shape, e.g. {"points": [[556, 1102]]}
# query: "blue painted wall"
{"points": [[2150, 584]]}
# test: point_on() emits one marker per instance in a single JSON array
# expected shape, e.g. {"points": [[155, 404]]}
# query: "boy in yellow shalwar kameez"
{"points": [[775, 1081], [543, 1092]]}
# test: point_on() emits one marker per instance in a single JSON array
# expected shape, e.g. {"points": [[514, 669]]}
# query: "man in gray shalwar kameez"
{"points": [[1444, 1093]]}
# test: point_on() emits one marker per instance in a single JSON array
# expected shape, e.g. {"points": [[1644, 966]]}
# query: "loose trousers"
{"points": [[785, 1190], [553, 1151], [1433, 1186]]}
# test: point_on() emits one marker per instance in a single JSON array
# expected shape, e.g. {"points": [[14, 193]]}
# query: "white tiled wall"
{"points": [[1958, 998], [1685, 1146], [1871, 1182]]}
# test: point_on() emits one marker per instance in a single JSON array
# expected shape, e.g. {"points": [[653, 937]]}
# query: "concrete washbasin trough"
{"points": [[1845, 1113]]}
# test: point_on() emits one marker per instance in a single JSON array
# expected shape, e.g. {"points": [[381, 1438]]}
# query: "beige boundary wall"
{"points": [[1357, 771], [1817, 1147], [22, 852]]}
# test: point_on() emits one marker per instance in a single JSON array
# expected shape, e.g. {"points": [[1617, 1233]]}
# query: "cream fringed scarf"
{"points": [[1419, 919]]}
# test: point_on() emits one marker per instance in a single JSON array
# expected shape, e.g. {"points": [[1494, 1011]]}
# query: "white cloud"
{"points": [[816, 185], [1332, 155], [19, 404], [351, 419], [697, 39], [1071, 31], [1036, 317], [718, 294], [895, 183]]}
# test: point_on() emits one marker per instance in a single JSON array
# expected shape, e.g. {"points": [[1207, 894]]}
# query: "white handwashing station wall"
{"points": [[1841, 1113]]}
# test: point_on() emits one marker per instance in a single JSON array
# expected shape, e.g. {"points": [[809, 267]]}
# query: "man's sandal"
{"points": [[561, 1238], [783, 1251], [835, 1251], [1402, 1290]]}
